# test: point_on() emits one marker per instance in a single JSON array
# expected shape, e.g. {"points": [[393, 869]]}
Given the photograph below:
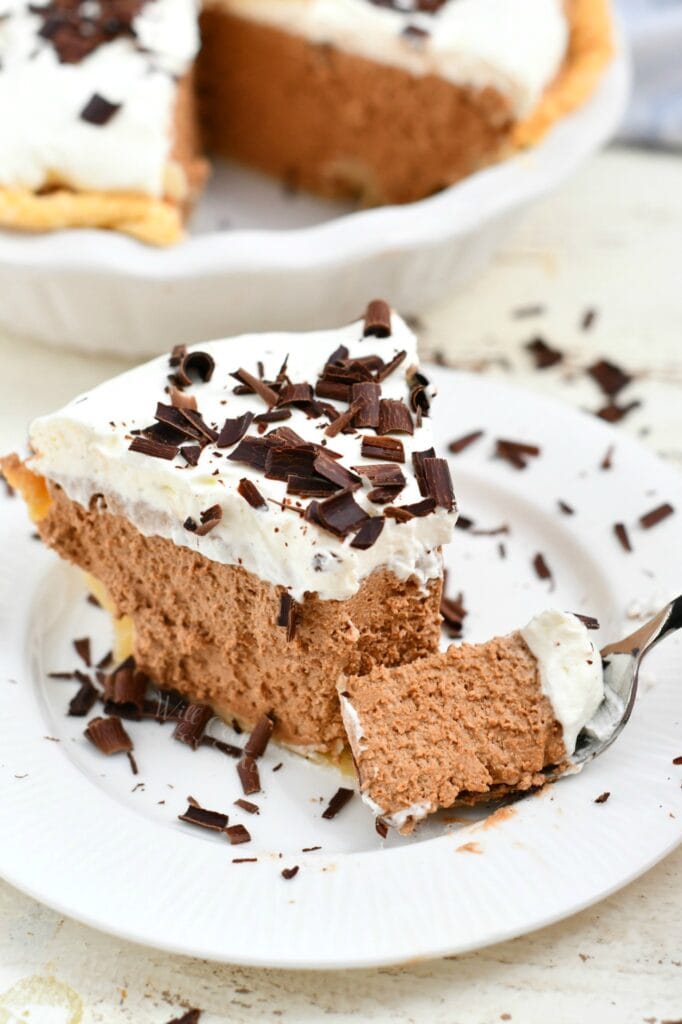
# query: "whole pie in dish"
{"points": [[108, 106]]}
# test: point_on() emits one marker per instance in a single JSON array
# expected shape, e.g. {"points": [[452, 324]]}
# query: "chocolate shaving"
{"points": [[455, 447], [515, 452], [389, 448], [288, 614], [84, 700], [677, 760], [337, 803], [378, 319], [382, 495], [182, 401], [389, 368], [567, 509], [541, 568], [247, 806], [543, 355], [238, 834], [394, 417], [273, 416], [588, 621], [209, 519], [610, 378], [82, 648], [250, 493], [621, 533], [332, 470], [602, 798], [338, 391], [341, 514], [368, 534], [453, 613], [381, 828], [177, 419], [245, 860], [201, 428], [257, 743], [339, 355], [133, 767], [401, 515], [224, 748], [252, 451], [192, 724], [418, 459], [295, 394], [343, 421], [155, 449], [247, 769], [199, 365], [99, 110], [215, 821], [259, 387], [108, 735], [438, 483], [191, 1017], [419, 399], [656, 516], [310, 486], [191, 453], [613, 413], [178, 353], [589, 316], [607, 461], [124, 690], [233, 430], [289, 873], [383, 474], [366, 396]]}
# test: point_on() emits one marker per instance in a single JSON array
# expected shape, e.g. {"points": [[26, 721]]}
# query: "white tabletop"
{"points": [[610, 241]]}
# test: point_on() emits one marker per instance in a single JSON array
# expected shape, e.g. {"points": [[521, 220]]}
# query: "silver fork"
{"points": [[622, 662]]}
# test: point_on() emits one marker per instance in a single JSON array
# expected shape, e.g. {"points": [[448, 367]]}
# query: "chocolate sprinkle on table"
{"points": [[82, 648], [543, 354], [656, 516], [312, 849], [621, 533], [609, 377], [155, 449], [133, 764], [457, 446], [250, 493], [247, 806], [377, 319], [192, 724], [289, 873], [602, 798], [257, 743], [337, 803], [238, 834], [99, 110], [394, 417], [247, 769], [215, 821], [84, 700], [541, 568], [233, 430], [287, 615], [108, 735], [453, 612]]}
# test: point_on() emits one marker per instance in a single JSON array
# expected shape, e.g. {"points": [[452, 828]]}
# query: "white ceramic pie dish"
{"points": [[257, 259]]}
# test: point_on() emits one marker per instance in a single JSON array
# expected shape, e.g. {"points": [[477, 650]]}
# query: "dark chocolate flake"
{"points": [[541, 568], [588, 621], [288, 614], [99, 110], [252, 451], [343, 421], [195, 366], [394, 417], [233, 430], [238, 834], [656, 516], [257, 386], [459, 445], [438, 482], [378, 319], [623, 536], [215, 821], [332, 470], [389, 368], [257, 743], [389, 448], [516, 453], [602, 798], [82, 648], [289, 873], [108, 735], [543, 354], [155, 449], [209, 519], [192, 724], [337, 803], [191, 454], [250, 493], [84, 700], [366, 395], [247, 769], [368, 534], [610, 378], [341, 514], [614, 413], [191, 1017], [567, 509], [247, 806]]}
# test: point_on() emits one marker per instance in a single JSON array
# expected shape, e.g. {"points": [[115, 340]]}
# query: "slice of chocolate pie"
{"points": [[263, 513], [473, 722]]}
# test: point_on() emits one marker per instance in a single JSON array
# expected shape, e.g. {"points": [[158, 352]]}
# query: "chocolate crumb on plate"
{"points": [[244, 860], [543, 354], [607, 461], [247, 806], [567, 509], [82, 648], [238, 834], [609, 377], [83, 702], [233, 430], [588, 319], [541, 568], [516, 453], [623, 536], [257, 386], [60, 675], [453, 613], [310, 849], [289, 873], [602, 798], [215, 821], [461, 443], [588, 621], [377, 319], [677, 760], [337, 802], [656, 515], [108, 735], [247, 769], [192, 724], [224, 748], [257, 743]]}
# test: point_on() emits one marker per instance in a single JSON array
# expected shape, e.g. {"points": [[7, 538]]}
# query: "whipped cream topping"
{"points": [[85, 449], [45, 139], [513, 46], [570, 669]]}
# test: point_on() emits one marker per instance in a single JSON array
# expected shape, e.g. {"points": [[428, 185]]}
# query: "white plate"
{"points": [[76, 836], [285, 263]]}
